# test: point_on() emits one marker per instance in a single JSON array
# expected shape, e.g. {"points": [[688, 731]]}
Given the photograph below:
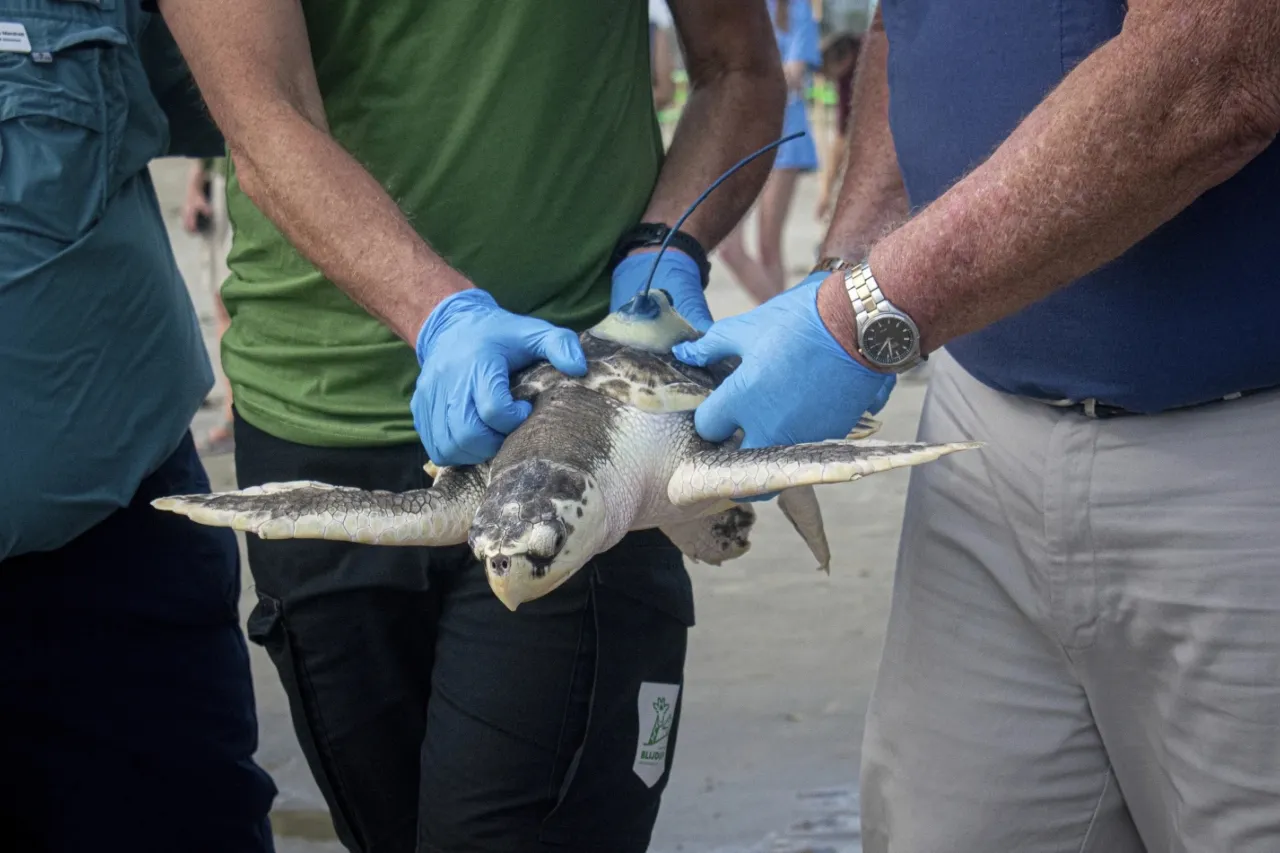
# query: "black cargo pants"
{"points": [[436, 720]]}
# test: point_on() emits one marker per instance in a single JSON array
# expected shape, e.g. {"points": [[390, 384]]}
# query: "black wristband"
{"points": [[652, 234]]}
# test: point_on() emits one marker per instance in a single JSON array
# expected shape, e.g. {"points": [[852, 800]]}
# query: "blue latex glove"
{"points": [[795, 383], [677, 274], [468, 348]]}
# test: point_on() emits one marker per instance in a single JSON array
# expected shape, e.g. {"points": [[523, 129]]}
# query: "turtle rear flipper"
{"points": [[304, 509], [714, 538], [725, 473], [800, 506]]}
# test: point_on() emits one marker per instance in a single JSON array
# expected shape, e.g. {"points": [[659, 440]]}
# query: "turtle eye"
{"points": [[545, 539]]}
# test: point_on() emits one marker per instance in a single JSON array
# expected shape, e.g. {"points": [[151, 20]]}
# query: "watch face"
{"points": [[889, 340]]}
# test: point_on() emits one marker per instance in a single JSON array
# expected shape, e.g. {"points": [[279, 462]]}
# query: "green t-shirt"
{"points": [[520, 139]]}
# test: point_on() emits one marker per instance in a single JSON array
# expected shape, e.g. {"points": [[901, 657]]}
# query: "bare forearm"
{"points": [[735, 107], [252, 62], [338, 217], [872, 198], [1134, 134], [720, 125]]}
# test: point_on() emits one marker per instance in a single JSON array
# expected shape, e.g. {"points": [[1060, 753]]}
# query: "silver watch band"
{"points": [[864, 293]]}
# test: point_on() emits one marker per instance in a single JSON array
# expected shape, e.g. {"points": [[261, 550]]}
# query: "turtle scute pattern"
{"points": [[651, 382]]}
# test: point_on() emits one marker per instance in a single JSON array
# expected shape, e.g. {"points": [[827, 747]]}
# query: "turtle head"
{"points": [[539, 524]]}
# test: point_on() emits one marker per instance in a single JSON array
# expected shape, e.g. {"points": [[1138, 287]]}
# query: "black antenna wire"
{"points": [[641, 304]]}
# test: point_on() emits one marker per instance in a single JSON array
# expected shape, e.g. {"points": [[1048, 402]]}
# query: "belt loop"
{"points": [[1090, 407]]}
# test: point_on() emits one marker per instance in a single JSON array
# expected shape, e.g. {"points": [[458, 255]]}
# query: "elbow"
{"points": [[1237, 123], [769, 87], [1220, 63], [1233, 90], [248, 177], [1251, 118]]}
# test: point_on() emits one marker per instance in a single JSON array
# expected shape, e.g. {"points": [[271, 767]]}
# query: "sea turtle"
{"points": [[600, 455]]}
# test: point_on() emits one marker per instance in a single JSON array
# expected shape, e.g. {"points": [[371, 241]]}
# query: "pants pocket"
{"points": [[267, 627], [612, 791]]}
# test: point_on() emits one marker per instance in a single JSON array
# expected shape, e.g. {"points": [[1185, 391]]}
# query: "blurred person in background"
{"points": [[764, 276], [839, 60], [662, 55], [204, 213]]}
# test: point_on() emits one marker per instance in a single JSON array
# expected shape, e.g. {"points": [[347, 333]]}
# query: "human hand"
{"points": [[795, 384], [677, 274], [468, 347]]}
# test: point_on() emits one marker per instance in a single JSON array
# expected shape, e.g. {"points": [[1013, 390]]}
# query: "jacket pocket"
{"points": [[61, 114]]}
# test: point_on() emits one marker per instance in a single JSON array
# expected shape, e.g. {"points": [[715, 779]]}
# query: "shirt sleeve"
{"points": [[803, 45]]}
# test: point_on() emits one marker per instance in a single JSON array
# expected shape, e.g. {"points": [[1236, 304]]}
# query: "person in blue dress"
{"points": [[764, 276]]}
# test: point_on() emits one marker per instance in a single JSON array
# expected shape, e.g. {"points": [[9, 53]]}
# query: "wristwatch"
{"points": [[652, 234], [886, 336]]}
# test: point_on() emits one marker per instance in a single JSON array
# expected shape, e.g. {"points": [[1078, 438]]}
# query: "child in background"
{"points": [[203, 213]]}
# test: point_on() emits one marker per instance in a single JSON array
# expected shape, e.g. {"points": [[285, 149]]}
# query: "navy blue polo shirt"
{"points": [[1188, 315]]}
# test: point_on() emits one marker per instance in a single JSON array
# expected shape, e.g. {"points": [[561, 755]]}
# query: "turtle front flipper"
{"points": [[714, 538], [725, 473], [440, 515]]}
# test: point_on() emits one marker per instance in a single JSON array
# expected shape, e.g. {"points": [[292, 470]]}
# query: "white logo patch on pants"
{"points": [[657, 706]]}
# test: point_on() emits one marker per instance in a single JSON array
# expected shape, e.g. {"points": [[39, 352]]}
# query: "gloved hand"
{"points": [[795, 383], [468, 347], [677, 274]]}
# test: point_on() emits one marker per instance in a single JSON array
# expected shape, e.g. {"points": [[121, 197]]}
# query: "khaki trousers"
{"points": [[1083, 649]]}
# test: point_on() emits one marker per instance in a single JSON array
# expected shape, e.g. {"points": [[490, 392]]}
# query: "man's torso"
{"points": [[1184, 317], [521, 142]]}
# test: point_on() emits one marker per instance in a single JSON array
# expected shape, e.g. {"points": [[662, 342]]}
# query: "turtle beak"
{"points": [[512, 579], [501, 586]]}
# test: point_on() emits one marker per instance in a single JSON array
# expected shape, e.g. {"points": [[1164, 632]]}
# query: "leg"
{"points": [[775, 204], [1184, 673], [552, 728], [979, 736], [750, 275], [350, 628], [126, 691], [221, 438]]}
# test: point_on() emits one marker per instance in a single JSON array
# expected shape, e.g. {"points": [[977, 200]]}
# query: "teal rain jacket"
{"points": [[102, 365]]}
